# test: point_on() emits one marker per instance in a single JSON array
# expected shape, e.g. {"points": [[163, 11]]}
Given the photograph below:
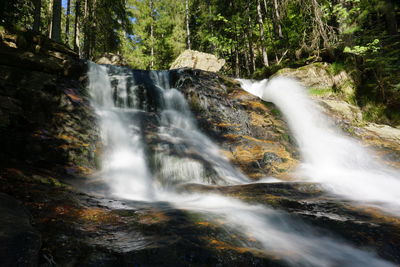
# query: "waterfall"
{"points": [[182, 154], [339, 162], [125, 167]]}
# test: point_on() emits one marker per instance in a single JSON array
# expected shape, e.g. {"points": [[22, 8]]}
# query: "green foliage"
{"points": [[360, 34], [17, 13], [336, 67], [158, 26], [372, 47], [374, 112], [320, 92]]}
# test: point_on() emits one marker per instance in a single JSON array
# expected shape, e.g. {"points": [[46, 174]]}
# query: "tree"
{"points": [[67, 21], [151, 6], [77, 26], [56, 21], [277, 17], [188, 46], [37, 13], [262, 36], [390, 17]]}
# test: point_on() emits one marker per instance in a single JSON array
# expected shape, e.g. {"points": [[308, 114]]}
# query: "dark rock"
{"points": [[45, 116], [19, 241]]}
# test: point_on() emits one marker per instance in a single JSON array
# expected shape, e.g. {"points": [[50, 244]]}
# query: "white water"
{"points": [[126, 170], [124, 166], [179, 128], [340, 163]]}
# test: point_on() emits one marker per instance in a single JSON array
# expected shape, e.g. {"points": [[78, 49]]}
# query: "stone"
{"points": [[111, 59], [318, 76], [270, 157], [340, 108], [19, 241], [40, 94], [10, 104], [245, 127], [384, 132], [198, 60]]}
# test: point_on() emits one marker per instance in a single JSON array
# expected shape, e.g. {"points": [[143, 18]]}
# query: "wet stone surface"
{"points": [[243, 126]]}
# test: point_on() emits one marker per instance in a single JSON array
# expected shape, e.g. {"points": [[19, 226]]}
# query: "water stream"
{"points": [[127, 103], [341, 164]]}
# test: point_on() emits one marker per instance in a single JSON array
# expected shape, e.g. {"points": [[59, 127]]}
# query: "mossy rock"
{"points": [[324, 79]]}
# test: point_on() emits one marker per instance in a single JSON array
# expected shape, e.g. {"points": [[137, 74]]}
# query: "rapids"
{"points": [[124, 100], [341, 164]]}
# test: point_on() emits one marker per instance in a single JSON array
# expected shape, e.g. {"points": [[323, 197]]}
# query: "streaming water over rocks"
{"points": [[152, 148], [340, 163]]}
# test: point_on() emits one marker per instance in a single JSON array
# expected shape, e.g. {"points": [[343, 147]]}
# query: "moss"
{"points": [[97, 161], [335, 68], [194, 217], [276, 112], [195, 103], [320, 91], [374, 113], [348, 90], [266, 72], [230, 83], [47, 181]]}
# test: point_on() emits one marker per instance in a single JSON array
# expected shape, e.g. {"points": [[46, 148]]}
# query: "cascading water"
{"points": [[340, 163], [178, 126], [124, 167], [184, 155]]}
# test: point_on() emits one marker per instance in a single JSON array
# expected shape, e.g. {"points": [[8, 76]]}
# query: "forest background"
{"points": [[255, 37]]}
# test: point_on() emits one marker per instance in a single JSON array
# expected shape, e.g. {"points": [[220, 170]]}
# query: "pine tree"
{"points": [[56, 21]]}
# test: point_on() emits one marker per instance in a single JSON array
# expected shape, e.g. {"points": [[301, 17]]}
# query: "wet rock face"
{"points": [[83, 230], [19, 241], [250, 132], [45, 116]]}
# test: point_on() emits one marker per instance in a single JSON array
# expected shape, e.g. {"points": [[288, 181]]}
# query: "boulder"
{"points": [[322, 77], [198, 60], [341, 109], [111, 59]]}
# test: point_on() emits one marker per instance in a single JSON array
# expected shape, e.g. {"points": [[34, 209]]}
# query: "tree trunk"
{"points": [[151, 36], [188, 46], [262, 36], [56, 21], [250, 44], [93, 25], [36, 19], [237, 65], [77, 26], [390, 17], [3, 5], [50, 18], [247, 55], [86, 30], [320, 26], [277, 20], [67, 22]]}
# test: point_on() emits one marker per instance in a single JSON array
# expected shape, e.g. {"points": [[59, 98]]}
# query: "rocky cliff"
{"points": [[45, 117]]}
